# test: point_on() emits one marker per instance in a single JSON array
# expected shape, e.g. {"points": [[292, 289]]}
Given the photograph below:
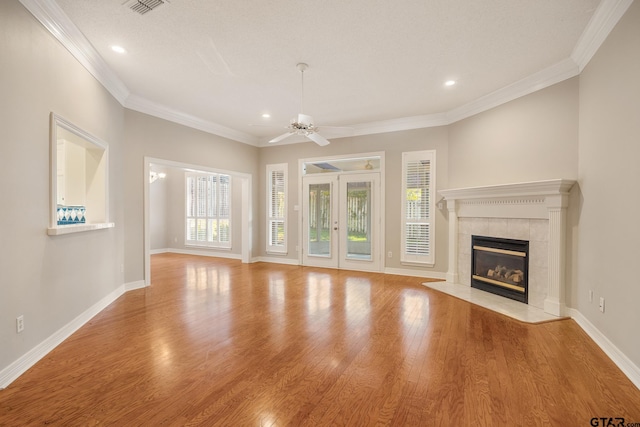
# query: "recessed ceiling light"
{"points": [[266, 115], [449, 82], [118, 49]]}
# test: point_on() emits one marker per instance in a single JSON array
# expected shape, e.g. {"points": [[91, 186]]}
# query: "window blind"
{"points": [[208, 213], [277, 208], [417, 207]]}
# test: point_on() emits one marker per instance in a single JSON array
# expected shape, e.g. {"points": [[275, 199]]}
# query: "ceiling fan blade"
{"points": [[281, 137], [318, 139]]}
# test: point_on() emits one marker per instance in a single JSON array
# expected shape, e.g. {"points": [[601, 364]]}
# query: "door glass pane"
{"points": [[319, 220], [359, 220]]}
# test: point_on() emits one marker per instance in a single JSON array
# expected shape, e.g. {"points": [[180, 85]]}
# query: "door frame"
{"points": [[246, 223], [382, 213]]}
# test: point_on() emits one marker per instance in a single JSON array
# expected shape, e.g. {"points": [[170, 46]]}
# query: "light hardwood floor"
{"points": [[217, 342]]}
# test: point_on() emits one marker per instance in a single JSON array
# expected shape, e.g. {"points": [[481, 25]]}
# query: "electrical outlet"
{"points": [[121, 268], [590, 296], [19, 324], [602, 304], [390, 254]]}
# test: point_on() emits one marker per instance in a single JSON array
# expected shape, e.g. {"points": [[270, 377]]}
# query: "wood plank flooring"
{"points": [[217, 342]]}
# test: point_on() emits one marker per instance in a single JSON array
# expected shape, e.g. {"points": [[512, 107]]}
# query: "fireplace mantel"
{"points": [[526, 200]]}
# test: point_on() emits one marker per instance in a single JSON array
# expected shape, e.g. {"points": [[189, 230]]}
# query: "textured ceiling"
{"points": [[229, 62]]}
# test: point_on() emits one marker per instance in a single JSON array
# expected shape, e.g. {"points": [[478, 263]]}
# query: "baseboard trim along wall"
{"points": [[20, 366], [132, 286], [395, 271], [200, 252], [276, 260], [158, 251], [619, 358]]}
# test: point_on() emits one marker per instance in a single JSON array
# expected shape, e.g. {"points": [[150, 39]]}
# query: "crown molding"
{"points": [[404, 123], [556, 73], [60, 26], [602, 22], [143, 105], [383, 126], [549, 76]]}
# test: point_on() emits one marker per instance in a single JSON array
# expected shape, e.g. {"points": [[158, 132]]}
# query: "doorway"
{"points": [[243, 179], [341, 220]]}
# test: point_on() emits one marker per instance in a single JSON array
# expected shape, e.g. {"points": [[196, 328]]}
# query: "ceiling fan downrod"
{"points": [[302, 67]]}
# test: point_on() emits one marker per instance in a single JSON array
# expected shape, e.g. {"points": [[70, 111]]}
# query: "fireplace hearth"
{"points": [[500, 266]]}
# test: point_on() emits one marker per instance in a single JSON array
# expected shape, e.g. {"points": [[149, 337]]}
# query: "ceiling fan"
{"points": [[303, 123]]}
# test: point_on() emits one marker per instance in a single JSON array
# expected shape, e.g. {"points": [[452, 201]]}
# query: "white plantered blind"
{"points": [[208, 216], [418, 188], [277, 208]]}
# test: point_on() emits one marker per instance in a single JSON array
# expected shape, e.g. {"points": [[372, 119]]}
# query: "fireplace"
{"points": [[533, 211], [500, 266]]}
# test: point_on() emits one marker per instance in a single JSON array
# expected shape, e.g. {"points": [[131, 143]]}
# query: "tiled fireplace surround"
{"points": [[533, 211]]}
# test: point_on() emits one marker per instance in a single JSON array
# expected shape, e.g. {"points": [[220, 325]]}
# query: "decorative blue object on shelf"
{"points": [[71, 215]]}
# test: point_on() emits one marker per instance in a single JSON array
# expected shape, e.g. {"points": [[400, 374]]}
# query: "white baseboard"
{"points": [[396, 271], [138, 284], [20, 366], [619, 358], [158, 251], [416, 273], [275, 260], [200, 252]]}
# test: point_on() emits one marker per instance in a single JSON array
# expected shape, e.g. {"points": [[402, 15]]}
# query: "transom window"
{"points": [[208, 201]]}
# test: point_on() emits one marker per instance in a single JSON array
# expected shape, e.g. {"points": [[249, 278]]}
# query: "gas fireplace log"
{"points": [[502, 273]]}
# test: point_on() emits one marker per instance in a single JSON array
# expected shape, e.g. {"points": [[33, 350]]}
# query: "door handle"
{"points": [[335, 228]]}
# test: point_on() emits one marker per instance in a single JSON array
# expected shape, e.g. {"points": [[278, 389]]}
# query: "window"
{"points": [[208, 210], [277, 208], [418, 186]]}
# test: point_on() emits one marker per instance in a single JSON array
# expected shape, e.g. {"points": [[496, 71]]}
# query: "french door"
{"points": [[341, 224]]}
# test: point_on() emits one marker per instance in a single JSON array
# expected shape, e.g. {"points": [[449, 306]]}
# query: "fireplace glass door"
{"points": [[500, 266]]}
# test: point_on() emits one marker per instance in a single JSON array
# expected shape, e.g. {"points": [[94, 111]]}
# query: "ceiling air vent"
{"points": [[144, 6]]}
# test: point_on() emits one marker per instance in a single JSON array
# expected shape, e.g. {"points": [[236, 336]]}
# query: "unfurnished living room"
{"points": [[320, 213]]}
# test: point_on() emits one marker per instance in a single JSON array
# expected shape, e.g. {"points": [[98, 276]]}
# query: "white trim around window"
{"points": [[418, 207], [208, 210], [277, 182]]}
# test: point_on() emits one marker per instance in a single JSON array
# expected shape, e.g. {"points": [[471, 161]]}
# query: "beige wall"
{"points": [[48, 279], [147, 136], [393, 144], [532, 138], [609, 229]]}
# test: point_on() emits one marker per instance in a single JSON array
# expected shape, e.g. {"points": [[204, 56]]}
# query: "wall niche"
{"points": [[79, 179]]}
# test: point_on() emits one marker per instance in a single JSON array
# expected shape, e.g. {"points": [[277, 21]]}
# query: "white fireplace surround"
{"points": [[534, 201]]}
